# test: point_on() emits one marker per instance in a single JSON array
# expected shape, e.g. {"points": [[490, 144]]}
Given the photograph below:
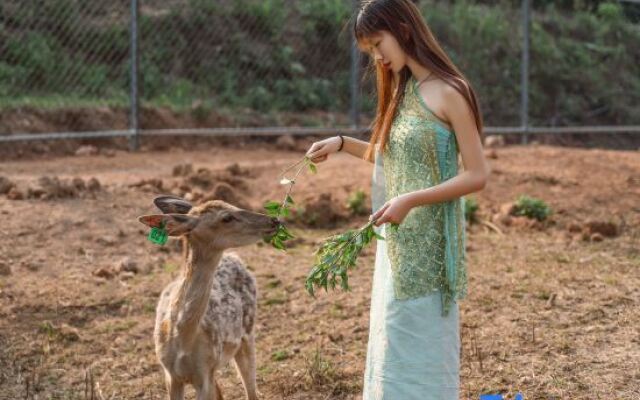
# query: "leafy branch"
{"points": [[282, 210], [337, 255]]}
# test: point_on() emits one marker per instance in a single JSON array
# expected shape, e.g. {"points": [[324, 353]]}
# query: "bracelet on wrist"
{"points": [[341, 142]]}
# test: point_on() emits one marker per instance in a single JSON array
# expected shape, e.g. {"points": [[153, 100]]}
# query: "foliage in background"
{"points": [[471, 209], [356, 203], [276, 56], [531, 207]]}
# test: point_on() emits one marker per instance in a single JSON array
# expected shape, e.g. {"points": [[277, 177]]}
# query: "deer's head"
{"points": [[215, 224]]}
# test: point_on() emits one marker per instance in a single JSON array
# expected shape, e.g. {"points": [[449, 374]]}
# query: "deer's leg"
{"points": [[174, 388], [245, 360], [209, 390]]}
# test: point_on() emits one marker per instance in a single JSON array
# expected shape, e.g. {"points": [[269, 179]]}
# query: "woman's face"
{"points": [[385, 49]]}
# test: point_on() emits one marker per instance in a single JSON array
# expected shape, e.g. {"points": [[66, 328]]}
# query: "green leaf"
{"points": [[271, 205], [312, 168]]}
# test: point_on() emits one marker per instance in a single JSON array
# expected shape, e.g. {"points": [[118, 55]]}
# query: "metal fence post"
{"points": [[355, 75], [524, 110], [134, 128]]}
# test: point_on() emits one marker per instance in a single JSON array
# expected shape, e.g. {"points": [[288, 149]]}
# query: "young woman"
{"points": [[427, 114]]}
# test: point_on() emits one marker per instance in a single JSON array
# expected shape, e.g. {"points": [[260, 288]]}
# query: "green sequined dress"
{"points": [[420, 271]]}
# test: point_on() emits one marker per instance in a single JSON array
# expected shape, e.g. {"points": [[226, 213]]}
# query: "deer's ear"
{"points": [[174, 224], [172, 204]]}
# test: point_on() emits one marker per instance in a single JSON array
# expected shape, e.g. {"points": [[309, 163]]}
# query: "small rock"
{"points": [[87, 150], [103, 272], [127, 264], [183, 169], [607, 229], [286, 142], [5, 185], [5, 269], [336, 338], [32, 266], [79, 184], [508, 208], [149, 188], [106, 241], [575, 228], [125, 276], [491, 153], [596, 237], [93, 185], [153, 184], [503, 219], [523, 222], [494, 141], [235, 170], [15, 194], [68, 333]]}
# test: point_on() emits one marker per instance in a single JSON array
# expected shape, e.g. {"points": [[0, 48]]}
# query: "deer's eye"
{"points": [[227, 218]]}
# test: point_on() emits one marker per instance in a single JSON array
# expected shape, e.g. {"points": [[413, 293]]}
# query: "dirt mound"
{"points": [[203, 184], [6, 185], [225, 192], [52, 187], [319, 211], [153, 185]]}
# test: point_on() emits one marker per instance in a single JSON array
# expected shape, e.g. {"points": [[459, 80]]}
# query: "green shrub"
{"points": [[263, 55], [470, 209], [532, 208], [356, 203]]}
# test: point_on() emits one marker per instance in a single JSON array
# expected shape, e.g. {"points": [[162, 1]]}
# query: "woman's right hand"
{"points": [[319, 151]]}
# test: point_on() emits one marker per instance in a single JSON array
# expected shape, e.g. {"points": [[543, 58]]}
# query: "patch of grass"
{"points": [[277, 298], [274, 283], [531, 207], [280, 355], [470, 209], [118, 326], [356, 203], [320, 370], [48, 329], [543, 295], [264, 370], [336, 311]]}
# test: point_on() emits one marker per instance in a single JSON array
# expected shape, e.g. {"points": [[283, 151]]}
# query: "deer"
{"points": [[205, 317]]}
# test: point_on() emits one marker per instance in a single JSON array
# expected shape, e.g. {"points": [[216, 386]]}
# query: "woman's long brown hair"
{"points": [[403, 20]]}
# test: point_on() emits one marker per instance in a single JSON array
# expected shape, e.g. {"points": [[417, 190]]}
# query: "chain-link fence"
{"points": [[78, 68]]}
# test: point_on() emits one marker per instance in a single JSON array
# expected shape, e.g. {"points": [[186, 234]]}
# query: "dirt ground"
{"points": [[552, 311]]}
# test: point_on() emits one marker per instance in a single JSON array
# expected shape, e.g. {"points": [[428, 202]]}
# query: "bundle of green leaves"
{"points": [[337, 255]]}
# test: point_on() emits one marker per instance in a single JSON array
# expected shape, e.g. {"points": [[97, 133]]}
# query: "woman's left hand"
{"points": [[392, 211]]}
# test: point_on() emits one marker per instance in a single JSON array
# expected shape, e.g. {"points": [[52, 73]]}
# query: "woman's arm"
{"points": [[319, 151], [476, 168], [355, 147]]}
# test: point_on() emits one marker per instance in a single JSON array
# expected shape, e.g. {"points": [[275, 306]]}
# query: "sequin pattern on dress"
{"points": [[427, 252]]}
